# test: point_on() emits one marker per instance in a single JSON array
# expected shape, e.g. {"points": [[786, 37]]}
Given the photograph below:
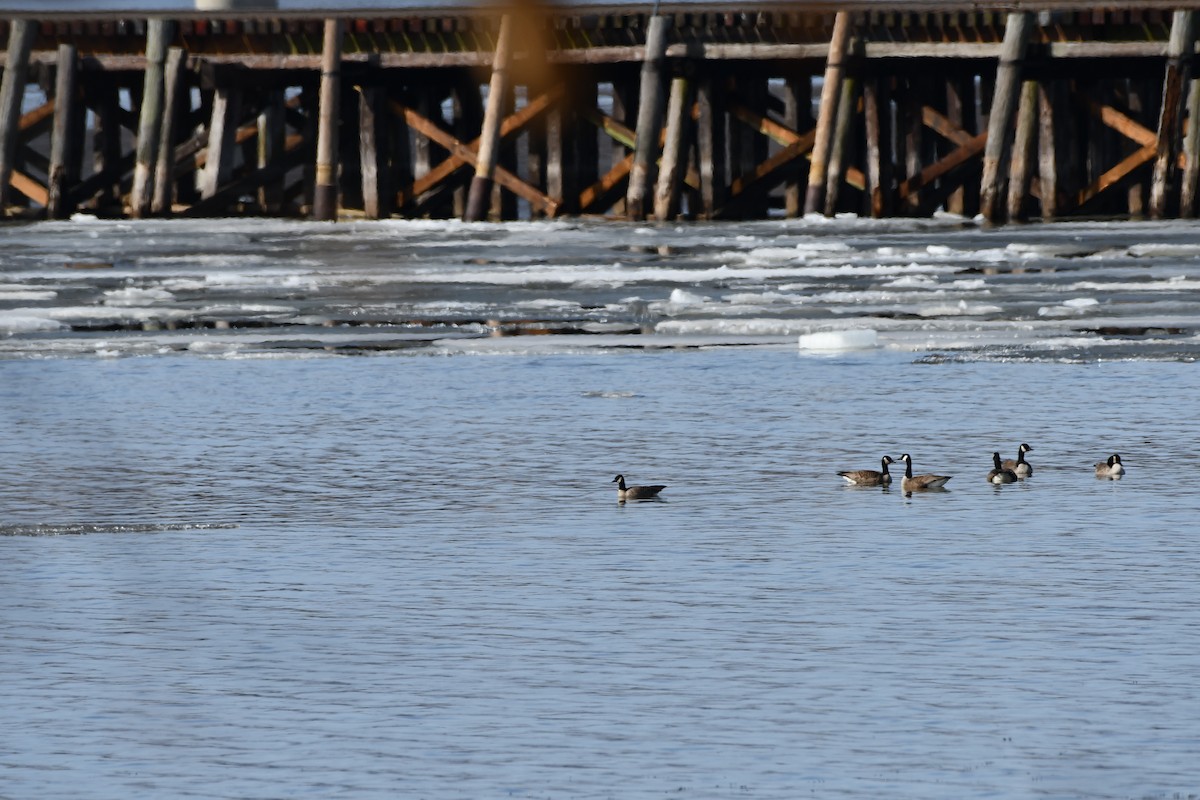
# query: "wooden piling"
{"points": [[1000, 118], [840, 144], [149, 119], [797, 115], [222, 130], [106, 145], [372, 143], [1191, 153], [1022, 151], [175, 102], [649, 122], [814, 200], [710, 146], [12, 91], [674, 157], [479, 196], [1180, 49], [325, 194], [875, 122], [66, 145]]}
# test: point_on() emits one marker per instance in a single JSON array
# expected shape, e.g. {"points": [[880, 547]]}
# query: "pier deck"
{"points": [[1013, 111]]}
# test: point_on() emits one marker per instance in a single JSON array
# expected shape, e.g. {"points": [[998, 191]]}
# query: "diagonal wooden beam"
{"points": [[1125, 125], [966, 151], [29, 187], [466, 153], [1127, 165], [615, 130], [787, 137], [940, 124], [43, 115], [744, 183], [512, 125], [609, 183]]}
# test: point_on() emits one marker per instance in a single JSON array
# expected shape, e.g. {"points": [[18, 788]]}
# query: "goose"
{"points": [[870, 477], [635, 492], [999, 474], [1112, 468], [1020, 466], [916, 483]]}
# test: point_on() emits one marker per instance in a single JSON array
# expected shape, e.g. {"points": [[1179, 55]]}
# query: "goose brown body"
{"points": [[636, 492], [1111, 467], [999, 474], [917, 483], [1019, 465], [870, 477]]}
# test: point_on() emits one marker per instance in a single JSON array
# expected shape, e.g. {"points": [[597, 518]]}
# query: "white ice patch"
{"points": [[12, 294], [1165, 250], [133, 296], [1073, 307], [11, 322], [913, 281], [681, 298], [857, 339], [960, 309]]}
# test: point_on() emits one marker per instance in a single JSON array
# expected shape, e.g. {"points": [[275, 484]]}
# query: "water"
{"points": [[334, 550]]}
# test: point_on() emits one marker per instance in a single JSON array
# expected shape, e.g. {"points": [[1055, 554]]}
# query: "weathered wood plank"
{"points": [[66, 142], [1180, 50], [175, 102], [21, 34], [674, 158], [150, 119], [1112, 176], [1022, 152], [325, 190], [814, 200], [649, 123], [489, 138], [1008, 74]]}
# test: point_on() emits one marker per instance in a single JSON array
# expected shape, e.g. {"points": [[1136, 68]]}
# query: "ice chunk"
{"points": [[857, 339]]}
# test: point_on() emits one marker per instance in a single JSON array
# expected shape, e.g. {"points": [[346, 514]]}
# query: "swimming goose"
{"points": [[870, 477], [1112, 468], [635, 492], [1020, 466], [916, 483], [999, 474]]}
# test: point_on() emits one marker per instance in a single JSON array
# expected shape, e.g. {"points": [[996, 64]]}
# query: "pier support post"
{"points": [[841, 143], [373, 141], [797, 115], [222, 131], [649, 118], [325, 188], [674, 158], [1022, 152], [149, 119], [1012, 53], [173, 101], [480, 194], [1180, 47], [12, 92], [814, 200], [271, 140], [66, 142], [876, 119], [710, 146], [1191, 153]]}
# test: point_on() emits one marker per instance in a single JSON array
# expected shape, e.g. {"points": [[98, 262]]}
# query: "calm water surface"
{"points": [[280, 516], [409, 577]]}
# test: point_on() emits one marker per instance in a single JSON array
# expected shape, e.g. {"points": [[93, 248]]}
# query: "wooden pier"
{"points": [[1013, 111]]}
